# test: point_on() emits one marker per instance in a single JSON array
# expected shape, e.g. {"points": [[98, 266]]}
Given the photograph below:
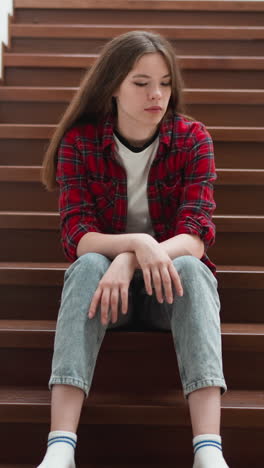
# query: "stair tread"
{"points": [[232, 398], [62, 265], [201, 62], [50, 325], [208, 5], [230, 176], [45, 131], [39, 334], [192, 95], [30, 220], [108, 31]]}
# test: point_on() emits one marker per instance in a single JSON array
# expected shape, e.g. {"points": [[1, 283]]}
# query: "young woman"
{"points": [[136, 203]]}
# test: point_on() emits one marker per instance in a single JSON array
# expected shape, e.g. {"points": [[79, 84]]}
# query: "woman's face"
{"points": [[143, 96]]}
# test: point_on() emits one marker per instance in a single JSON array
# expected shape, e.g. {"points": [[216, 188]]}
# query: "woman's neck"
{"points": [[136, 138]]}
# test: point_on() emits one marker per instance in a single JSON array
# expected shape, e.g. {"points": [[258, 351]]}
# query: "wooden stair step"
{"points": [[241, 177], [40, 334], [84, 60], [50, 112], [227, 154], [101, 465], [90, 38], [218, 133], [192, 96], [249, 76], [212, 14], [37, 290], [93, 465], [108, 31], [202, 5], [20, 230], [134, 358], [50, 221], [239, 408], [51, 273]]}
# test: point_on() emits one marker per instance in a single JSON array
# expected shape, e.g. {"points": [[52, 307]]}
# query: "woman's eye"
{"points": [[141, 84], [145, 84]]}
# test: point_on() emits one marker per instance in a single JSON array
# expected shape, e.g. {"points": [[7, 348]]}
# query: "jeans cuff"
{"points": [[203, 384], [69, 381]]}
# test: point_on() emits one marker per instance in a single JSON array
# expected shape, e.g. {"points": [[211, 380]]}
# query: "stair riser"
{"points": [[230, 248], [16, 245], [215, 114], [182, 47], [155, 445], [42, 303], [137, 17], [240, 155], [32, 196], [132, 370], [27, 196], [147, 444], [31, 152], [29, 302], [239, 200], [205, 79]]}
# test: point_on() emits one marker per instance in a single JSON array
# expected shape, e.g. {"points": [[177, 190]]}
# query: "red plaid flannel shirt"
{"points": [[93, 185]]}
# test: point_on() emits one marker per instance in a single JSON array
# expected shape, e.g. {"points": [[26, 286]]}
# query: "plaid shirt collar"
{"points": [[108, 131]]}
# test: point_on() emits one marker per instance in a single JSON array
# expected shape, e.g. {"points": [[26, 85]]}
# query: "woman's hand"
{"points": [[112, 287], [157, 267]]}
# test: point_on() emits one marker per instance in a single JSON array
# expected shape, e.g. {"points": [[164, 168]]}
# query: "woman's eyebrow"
{"points": [[147, 76]]}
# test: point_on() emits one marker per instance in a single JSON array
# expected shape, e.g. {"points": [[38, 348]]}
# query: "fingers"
{"points": [[109, 301], [147, 280], [124, 300], [163, 278], [157, 284], [114, 304], [153, 276], [94, 303], [166, 281], [105, 306], [176, 280]]}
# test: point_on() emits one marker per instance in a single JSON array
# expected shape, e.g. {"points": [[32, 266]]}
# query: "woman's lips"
{"points": [[153, 109]]}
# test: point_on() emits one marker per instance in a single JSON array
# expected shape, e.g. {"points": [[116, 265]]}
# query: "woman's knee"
{"points": [[193, 270], [187, 265], [90, 262]]}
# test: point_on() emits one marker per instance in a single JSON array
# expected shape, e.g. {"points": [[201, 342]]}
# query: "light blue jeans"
{"points": [[193, 320]]}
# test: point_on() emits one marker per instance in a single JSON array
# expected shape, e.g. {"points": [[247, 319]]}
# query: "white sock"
{"points": [[60, 451], [208, 451]]}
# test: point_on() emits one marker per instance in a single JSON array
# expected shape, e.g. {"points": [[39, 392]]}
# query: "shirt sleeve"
{"points": [[76, 205], [197, 203]]}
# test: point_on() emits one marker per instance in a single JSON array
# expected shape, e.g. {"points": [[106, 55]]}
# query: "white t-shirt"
{"points": [[137, 165]]}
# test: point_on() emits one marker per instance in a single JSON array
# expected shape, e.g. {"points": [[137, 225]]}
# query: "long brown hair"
{"points": [[93, 100]]}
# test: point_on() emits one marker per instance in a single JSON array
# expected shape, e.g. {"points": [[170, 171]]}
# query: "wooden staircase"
{"points": [[135, 415]]}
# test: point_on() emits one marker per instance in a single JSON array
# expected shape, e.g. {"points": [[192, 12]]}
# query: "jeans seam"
{"points": [[209, 382], [66, 380]]}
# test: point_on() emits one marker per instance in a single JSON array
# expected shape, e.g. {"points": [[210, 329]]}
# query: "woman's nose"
{"points": [[155, 93]]}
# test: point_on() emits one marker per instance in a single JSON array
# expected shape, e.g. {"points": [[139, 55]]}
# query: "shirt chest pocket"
{"points": [[170, 192], [103, 193]]}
